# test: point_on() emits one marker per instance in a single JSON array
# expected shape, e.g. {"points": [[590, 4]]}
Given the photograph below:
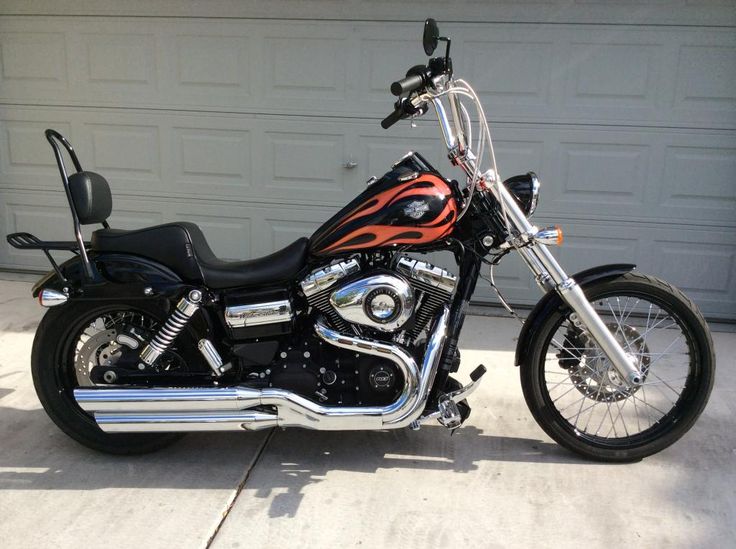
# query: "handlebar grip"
{"points": [[408, 84], [392, 118]]}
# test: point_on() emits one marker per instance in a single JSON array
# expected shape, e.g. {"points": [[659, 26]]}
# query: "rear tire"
{"points": [[50, 361], [589, 375]]}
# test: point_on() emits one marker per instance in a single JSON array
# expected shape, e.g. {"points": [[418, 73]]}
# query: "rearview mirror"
{"points": [[431, 36]]}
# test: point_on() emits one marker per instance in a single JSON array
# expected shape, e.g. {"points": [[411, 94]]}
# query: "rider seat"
{"points": [[182, 247]]}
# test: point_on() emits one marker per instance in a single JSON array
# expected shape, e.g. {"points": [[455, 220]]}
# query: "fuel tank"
{"points": [[411, 204]]}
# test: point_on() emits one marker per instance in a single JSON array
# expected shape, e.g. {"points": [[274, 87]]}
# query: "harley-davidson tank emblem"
{"points": [[416, 209]]}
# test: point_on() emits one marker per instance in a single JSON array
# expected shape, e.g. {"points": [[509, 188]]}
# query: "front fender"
{"points": [[552, 301]]}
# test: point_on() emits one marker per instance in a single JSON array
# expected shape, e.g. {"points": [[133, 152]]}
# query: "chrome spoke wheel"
{"points": [[587, 390], [580, 400]]}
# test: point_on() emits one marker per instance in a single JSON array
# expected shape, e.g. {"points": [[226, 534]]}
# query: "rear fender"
{"points": [[551, 302]]}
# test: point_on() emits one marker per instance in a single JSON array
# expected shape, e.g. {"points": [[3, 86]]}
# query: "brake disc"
{"points": [[594, 375], [101, 349]]}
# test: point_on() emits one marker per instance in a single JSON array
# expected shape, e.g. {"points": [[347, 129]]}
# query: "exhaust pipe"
{"points": [[230, 408], [185, 422]]}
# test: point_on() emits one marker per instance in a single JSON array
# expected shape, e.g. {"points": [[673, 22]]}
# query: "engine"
{"points": [[394, 300], [398, 301]]}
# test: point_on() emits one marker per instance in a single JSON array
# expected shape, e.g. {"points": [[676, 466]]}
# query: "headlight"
{"points": [[525, 188]]}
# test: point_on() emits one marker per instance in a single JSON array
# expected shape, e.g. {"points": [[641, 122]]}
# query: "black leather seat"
{"points": [[183, 248]]}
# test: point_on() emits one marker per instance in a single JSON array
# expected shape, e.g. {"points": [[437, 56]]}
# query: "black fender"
{"points": [[116, 276], [552, 301]]}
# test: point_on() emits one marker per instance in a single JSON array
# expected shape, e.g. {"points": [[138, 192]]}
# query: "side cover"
{"points": [[117, 276]]}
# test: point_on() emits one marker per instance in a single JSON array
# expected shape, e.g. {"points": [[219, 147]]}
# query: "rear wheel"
{"points": [[73, 339], [579, 399]]}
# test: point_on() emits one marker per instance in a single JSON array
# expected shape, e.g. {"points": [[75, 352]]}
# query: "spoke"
{"points": [[620, 415], [678, 338], [650, 405], [663, 382], [623, 320]]}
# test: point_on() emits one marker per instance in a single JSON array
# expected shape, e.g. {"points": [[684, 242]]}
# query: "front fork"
{"points": [[550, 275]]}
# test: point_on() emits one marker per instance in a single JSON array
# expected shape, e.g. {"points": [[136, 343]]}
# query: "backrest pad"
{"points": [[91, 197]]}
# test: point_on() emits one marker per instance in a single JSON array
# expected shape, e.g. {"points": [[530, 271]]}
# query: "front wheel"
{"points": [[576, 395]]}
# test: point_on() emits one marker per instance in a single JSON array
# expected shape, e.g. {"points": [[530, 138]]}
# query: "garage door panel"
{"points": [[26, 156], [700, 183], [702, 264], [212, 64], [212, 160], [283, 225], [119, 64], [547, 73], [706, 80], [304, 65], [128, 154], [33, 60]]}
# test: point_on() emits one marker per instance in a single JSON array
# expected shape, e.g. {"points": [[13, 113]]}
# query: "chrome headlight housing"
{"points": [[525, 188]]}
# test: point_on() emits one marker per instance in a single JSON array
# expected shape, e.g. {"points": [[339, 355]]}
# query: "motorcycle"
{"points": [[149, 335]]}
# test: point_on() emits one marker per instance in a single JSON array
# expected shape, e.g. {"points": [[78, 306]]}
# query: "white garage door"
{"points": [[241, 116]]}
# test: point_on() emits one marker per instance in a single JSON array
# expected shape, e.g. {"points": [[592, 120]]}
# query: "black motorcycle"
{"points": [[149, 334]]}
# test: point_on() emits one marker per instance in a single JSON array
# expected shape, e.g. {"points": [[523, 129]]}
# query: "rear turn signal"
{"points": [[550, 236], [51, 298]]}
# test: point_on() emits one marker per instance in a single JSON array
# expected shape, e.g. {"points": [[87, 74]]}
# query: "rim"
{"points": [[580, 384]]}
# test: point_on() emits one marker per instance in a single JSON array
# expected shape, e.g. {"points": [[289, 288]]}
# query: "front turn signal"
{"points": [[550, 236]]}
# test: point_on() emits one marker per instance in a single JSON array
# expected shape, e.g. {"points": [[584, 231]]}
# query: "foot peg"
{"points": [[452, 410], [449, 414]]}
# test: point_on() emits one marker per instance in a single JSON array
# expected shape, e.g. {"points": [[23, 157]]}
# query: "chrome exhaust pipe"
{"points": [[213, 408], [185, 421]]}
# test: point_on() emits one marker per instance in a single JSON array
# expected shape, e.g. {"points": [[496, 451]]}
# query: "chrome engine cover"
{"points": [[383, 300]]}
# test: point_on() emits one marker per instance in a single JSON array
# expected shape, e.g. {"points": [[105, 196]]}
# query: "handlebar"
{"points": [[393, 118], [407, 85]]}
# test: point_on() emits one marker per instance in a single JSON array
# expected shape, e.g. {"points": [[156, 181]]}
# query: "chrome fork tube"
{"points": [[549, 272]]}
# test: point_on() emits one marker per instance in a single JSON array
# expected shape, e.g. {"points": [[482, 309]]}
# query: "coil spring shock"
{"points": [[187, 306]]}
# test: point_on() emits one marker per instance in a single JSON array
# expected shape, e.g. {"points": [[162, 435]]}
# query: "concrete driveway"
{"points": [[498, 482]]}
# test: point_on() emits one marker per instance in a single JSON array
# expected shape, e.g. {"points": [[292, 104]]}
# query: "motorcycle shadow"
{"points": [[35, 455]]}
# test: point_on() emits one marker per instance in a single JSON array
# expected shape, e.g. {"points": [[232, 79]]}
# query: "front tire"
{"points": [[575, 394], [54, 382]]}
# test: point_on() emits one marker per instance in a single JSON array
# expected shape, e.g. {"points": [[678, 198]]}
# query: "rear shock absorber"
{"points": [[187, 306]]}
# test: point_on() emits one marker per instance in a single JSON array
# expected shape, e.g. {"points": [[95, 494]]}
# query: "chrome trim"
{"points": [[321, 279], [258, 314], [427, 273], [353, 301], [213, 408], [447, 132], [535, 194], [210, 354], [52, 298], [400, 160]]}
